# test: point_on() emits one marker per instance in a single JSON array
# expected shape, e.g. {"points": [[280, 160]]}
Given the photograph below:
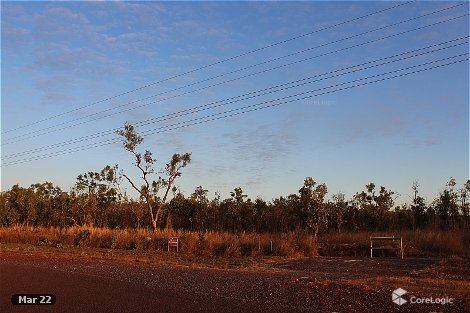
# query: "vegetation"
{"points": [[420, 243], [149, 191], [97, 202]]}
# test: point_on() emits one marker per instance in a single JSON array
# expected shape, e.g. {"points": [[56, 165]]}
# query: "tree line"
{"points": [[96, 199]]}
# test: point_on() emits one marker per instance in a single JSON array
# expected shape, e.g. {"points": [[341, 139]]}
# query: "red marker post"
{"points": [[173, 242]]}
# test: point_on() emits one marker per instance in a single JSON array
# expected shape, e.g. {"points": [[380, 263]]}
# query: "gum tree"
{"points": [[145, 163]]}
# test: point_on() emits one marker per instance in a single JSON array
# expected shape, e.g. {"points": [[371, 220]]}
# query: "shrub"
{"points": [[82, 238]]}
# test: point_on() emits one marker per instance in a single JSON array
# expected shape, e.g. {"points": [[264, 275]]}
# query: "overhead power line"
{"points": [[53, 128], [261, 92], [210, 65], [260, 106]]}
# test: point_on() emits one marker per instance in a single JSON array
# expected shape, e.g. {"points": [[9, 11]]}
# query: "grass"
{"points": [[437, 286], [245, 244], [195, 243], [418, 243]]}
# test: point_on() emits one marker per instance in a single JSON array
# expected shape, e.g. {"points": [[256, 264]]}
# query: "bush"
{"points": [[292, 244], [82, 238]]}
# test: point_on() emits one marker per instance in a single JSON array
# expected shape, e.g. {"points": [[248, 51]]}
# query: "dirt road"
{"points": [[303, 285]]}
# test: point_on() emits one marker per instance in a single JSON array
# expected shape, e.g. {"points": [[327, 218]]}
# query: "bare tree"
{"points": [[145, 163]]}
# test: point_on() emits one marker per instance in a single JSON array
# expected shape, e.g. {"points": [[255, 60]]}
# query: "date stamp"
{"points": [[33, 299]]}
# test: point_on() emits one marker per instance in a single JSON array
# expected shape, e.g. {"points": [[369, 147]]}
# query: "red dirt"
{"points": [[298, 285]]}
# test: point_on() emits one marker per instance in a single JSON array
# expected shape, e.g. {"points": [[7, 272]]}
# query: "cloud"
{"points": [[71, 28], [75, 60], [253, 150], [263, 143], [61, 23], [14, 36], [56, 89]]}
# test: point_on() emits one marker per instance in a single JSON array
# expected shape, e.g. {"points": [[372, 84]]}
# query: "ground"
{"points": [[90, 280]]}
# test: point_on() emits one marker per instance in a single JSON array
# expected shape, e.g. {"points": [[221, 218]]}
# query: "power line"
{"points": [[211, 65], [212, 118], [36, 133], [221, 75], [151, 132], [258, 93], [251, 108]]}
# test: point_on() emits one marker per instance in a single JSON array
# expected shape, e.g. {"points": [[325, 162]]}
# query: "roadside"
{"points": [[136, 280]]}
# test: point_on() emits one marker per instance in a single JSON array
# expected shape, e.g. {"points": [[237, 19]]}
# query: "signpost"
{"points": [[173, 242]]}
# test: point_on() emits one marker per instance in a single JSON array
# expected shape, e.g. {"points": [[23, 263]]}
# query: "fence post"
{"points": [[401, 246]]}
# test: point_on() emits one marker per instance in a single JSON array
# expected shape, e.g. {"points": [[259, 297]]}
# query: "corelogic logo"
{"points": [[397, 296]]}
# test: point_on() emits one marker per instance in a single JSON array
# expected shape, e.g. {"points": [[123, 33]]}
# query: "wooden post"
{"points": [[401, 247]]}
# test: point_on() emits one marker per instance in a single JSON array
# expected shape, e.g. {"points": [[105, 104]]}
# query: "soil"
{"points": [[87, 283]]}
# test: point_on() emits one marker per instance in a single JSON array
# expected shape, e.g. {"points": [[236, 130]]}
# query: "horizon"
{"points": [[58, 57]]}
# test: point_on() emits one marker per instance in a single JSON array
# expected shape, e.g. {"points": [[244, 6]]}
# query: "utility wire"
{"points": [[258, 105], [254, 107], [224, 74], [52, 129], [211, 65], [261, 92]]}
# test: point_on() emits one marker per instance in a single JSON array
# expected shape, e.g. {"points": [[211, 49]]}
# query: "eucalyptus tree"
{"points": [[418, 207], [464, 203], [98, 192], [312, 201], [339, 208], [145, 163], [202, 208]]}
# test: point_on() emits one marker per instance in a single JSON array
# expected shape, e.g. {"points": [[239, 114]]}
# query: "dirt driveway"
{"points": [[298, 285]]}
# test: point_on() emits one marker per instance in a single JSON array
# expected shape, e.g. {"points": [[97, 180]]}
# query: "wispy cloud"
{"points": [[14, 36], [59, 22], [76, 60], [55, 89]]}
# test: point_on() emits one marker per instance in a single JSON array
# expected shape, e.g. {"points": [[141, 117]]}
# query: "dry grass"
{"points": [[437, 286], [292, 244], [196, 243], [416, 243]]}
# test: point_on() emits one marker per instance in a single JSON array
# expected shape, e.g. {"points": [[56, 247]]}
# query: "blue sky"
{"points": [[58, 57]]}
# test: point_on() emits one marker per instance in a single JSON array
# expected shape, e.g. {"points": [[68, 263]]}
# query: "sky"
{"points": [[329, 90]]}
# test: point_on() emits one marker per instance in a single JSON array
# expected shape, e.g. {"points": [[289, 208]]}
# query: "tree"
{"points": [[100, 191], [235, 209], [46, 195], [3, 209], [149, 191], [340, 205], [446, 205], [182, 211], [384, 204], [199, 197], [418, 207], [373, 209], [464, 205], [312, 204]]}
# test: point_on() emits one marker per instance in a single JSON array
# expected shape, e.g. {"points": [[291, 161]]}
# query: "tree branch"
{"points": [[132, 184]]}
